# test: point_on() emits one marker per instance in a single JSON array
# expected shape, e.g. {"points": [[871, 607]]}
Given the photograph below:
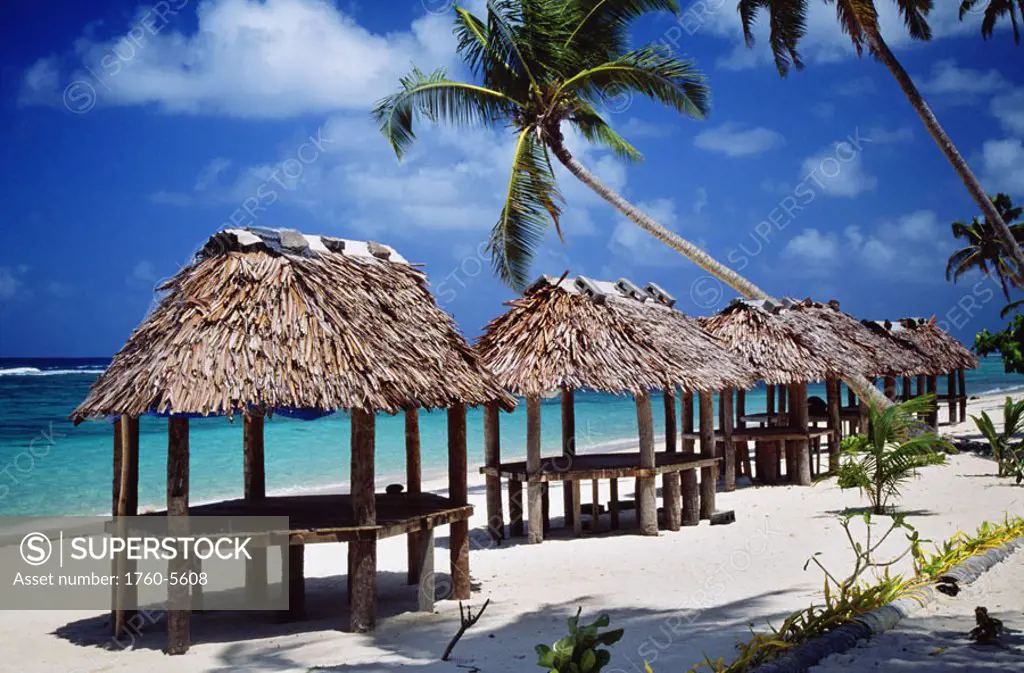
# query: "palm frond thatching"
{"points": [[557, 335], [941, 353], [275, 320]]}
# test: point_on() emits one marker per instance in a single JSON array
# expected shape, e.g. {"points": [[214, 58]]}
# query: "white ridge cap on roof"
{"points": [[265, 236]]}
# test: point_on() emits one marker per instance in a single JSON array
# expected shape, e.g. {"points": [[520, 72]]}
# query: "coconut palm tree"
{"points": [[995, 10], [542, 65], [859, 20], [985, 251]]}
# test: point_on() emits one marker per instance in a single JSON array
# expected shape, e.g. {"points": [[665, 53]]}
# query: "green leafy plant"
{"points": [[879, 463], [578, 652], [1007, 449]]}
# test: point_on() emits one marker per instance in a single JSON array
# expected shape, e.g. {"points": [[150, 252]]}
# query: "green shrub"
{"points": [[578, 652], [1006, 448]]}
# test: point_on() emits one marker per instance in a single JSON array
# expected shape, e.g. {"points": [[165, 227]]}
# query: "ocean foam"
{"points": [[32, 371]]}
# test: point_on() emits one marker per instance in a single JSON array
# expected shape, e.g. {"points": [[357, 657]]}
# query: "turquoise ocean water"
{"points": [[48, 466]]}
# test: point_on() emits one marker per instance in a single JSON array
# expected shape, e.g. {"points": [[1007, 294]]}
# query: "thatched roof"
{"points": [[939, 352], [609, 337], [281, 321], [830, 327]]}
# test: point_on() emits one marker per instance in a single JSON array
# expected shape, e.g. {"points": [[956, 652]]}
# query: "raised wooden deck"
{"points": [[600, 466], [328, 518], [765, 434]]}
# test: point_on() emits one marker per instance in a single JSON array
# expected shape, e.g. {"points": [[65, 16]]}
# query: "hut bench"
{"points": [[573, 470]]}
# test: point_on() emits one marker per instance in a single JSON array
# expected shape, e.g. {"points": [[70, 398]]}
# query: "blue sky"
{"points": [[131, 133]]}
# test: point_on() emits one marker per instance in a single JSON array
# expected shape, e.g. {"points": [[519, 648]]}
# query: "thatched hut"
{"points": [[572, 334], [938, 354], [273, 321], [790, 344]]}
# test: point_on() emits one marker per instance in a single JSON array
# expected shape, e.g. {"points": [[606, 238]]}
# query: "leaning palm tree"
{"points": [[541, 66], [859, 20], [994, 11], [985, 251]]}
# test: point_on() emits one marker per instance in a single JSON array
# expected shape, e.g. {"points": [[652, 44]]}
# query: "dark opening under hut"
{"points": [[574, 334], [273, 321]]}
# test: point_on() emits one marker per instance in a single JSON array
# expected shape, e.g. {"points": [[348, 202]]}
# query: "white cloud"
{"points": [[1009, 110], [10, 283], [882, 135], [208, 176], [946, 78], [837, 171], [638, 128], [734, 141], [144, 272], [912, 247], [636, 245], [249, 59], [1003, 166]]}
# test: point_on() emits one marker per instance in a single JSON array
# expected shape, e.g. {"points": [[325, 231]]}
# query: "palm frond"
{"points": [[598, 16], [915, 16], [595, 129], [484, 59], [531, 204], [503, 16], [787, 20], [440, 100], [857, 18], [1011, 307], [651, 72]]}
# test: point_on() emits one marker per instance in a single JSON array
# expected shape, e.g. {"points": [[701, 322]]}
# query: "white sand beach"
{"points": [[679, 596]]}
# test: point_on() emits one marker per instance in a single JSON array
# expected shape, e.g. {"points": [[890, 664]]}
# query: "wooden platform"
{"points": [[600, 466], [765, 434], [845, 414], [328, 518]]}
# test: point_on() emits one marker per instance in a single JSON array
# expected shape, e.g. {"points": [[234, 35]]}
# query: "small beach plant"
{"points": [[880, 462], [1007, 447], [579, 652]]}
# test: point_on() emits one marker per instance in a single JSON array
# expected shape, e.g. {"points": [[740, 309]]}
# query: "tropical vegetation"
{"points": [[1007, 445], [1008, 342], [579, 652], [985, 251], [859, 20], [896, 445]]}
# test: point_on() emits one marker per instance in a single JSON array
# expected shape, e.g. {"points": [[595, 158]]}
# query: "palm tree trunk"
{"points": [[859, 384], [938, 134], [658, 231]]}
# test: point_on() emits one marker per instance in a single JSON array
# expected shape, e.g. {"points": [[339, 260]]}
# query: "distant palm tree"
{"points": [[542, 64], [985, 251], [859, 20], [995, 10]]}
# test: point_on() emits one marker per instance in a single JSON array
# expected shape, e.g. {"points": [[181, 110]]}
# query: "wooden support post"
{"points": [[458, 492], [533, 486], [296, 580], [835, 423], [907, 388], [427, 585], [647, 495], [933, 416], [921, 385], [515, 508], [178, 638], [492, 459], [595, 513], [577, 505], [568, 449], [707, 450], [803, 449], [783, 411], [670, 480], [951, 390], [362, 567], [613, 503], [125, 503], [254, 463], [415, 540], [792, 397], [255, 490], [545, 499], [688, 479], [725, 403], [742, 448], [961, 394], [889, 386], [769, 401]]}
